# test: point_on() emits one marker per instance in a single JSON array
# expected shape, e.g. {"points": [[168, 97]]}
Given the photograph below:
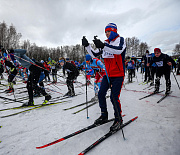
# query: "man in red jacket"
{"points": [[113, 51]]}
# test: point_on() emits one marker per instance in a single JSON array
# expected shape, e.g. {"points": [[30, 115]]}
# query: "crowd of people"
{"points": [[108, 63]]}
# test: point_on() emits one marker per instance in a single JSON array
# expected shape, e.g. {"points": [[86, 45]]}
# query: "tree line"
{"points": [[10, 38]]}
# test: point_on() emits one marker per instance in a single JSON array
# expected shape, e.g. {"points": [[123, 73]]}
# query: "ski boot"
{"points": [[157, 84], [47, 98], [102, 119], [68, 93], [72, 94], [10, 90], [168, 87], [95, 98], [88, 82], [156, 90], [152, 83], [116, 125], [30, 103]]}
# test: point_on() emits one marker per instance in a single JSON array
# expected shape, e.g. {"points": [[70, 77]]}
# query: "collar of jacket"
{"points": [[112, 36]]}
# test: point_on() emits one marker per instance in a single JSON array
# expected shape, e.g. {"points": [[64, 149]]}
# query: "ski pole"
{"points": [[176, 80], [86, 83]]}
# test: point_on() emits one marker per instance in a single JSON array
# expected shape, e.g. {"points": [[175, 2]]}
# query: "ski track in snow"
{"points": [[155, 132]]}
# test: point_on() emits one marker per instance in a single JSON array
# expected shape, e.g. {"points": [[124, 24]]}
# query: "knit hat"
{"points": [[67, 59], [111, 27], [49, 59], [88, 57], [157, 50], [61, 61]]}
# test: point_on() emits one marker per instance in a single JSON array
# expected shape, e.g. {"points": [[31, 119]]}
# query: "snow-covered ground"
{"points": [[155, 132]]}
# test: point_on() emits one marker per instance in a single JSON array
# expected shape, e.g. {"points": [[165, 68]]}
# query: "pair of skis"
{"points": [[34, 107], [108, 134], [166, 95], [19, 107]]}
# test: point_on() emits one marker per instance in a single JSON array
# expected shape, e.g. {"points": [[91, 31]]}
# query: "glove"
{"points": [[85, 42], [3, 50], [11, 51], [98, 43], [81, 67]]}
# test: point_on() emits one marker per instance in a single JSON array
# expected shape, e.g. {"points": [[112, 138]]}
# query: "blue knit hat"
{"points": [[61, 61], [111, 27], [88, 57]]}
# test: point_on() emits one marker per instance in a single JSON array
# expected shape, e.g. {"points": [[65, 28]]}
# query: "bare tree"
{"points": [[9, 38], [176, 50]]}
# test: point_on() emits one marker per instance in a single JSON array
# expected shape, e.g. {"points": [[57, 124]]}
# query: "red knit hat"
{"points": [[157, 50]]}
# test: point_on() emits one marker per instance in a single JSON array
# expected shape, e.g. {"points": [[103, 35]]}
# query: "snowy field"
{"points": [[155, 132]]}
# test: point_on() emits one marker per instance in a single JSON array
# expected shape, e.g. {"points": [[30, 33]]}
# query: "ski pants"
{"points": [[147, 74], [116, 85], [166, 73], [12, 75], [69, 82]]}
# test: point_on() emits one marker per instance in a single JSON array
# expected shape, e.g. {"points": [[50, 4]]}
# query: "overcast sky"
{"points": [[55, 23]]}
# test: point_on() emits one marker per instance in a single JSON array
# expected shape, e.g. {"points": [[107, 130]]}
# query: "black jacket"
{"points": [[162, 61], [70, 69]]}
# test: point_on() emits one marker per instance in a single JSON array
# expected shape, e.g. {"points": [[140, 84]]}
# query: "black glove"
{"points": [[11, 51], [3, 50], [81, 67], [98, 43], [85, 42]]}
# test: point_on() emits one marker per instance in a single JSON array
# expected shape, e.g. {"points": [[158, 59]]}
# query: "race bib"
{"points": [[130, 65], [53, 67], [67, 70], [159, 64], [107, 55]]}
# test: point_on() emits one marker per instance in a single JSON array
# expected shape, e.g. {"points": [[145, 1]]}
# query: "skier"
{"points": [[113, 51], [47, 78], [1, 70], [37, 92], [72, 72], [164, 63], [130, 63], [35, 72], [178, 69], [147, 59], [52, 63], [100, 71], [13, 72], [142, 67]]}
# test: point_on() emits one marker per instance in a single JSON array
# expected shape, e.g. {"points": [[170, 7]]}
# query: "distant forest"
{"points": [[10, 38]]}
